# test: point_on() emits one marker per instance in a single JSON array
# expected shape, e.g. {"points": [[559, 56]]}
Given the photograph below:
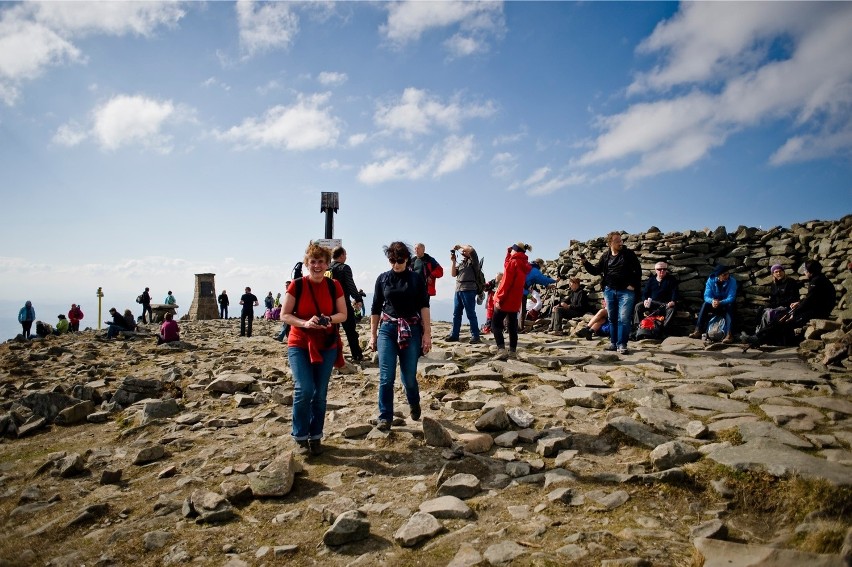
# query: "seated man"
{"points": [[660, 293], [118, 323], [783, 293], [575, 304], [819, 300], [720, 295]]}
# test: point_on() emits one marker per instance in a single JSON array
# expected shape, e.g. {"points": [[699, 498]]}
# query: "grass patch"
{"points": [[732, 436]]}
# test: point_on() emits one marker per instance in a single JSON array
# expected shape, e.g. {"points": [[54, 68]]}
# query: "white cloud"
{"points": [[70, 135], [265, 26], [557, 183], [537, 176], [477, 23], [332, 79], [731, 66], [418, 112], [214, 82], [503, 165], [450, 155], [306, 125], [125, 120], [39, 35], [356, 140]]}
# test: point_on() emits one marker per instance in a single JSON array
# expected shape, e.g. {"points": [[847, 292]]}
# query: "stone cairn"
{"points": [[749, 252], [204, 305]]}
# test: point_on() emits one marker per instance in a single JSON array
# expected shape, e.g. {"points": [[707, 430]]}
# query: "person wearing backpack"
{"points": [[341, 272], [146, 306], [508, 299], [26, 317], [720, 296], [400, 331], [621, 275], [314, 306], [75, 315], [469, 283], [427, 266]]}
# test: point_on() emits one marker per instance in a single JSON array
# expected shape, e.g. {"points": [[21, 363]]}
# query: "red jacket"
{"points": [[75, 315], [510, 294]]}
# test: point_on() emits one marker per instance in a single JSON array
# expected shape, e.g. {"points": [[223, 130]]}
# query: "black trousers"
{"points": [[350, 327], [246, 316]]}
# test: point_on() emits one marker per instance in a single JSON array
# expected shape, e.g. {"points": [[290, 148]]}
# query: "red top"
{"points": [[510, 294], [75, 315], [315, 340], [169, 331]]}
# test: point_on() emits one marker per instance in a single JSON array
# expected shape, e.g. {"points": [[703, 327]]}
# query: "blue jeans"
{"points": [[389, 351], [223, 311], [465, 301], [619, 309], [309, 391], [113, 330]]}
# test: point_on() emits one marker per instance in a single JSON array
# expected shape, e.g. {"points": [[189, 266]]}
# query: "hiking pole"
{"points": [[785, 318]]}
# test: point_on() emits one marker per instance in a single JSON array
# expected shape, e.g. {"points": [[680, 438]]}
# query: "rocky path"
{"points": [[126, 453]]}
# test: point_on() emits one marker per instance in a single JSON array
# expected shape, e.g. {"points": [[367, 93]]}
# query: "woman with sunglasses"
{"points": [[313, 345], [400, 329]]}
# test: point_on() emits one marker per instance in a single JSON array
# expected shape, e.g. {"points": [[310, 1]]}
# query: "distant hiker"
{"points": [[223, 304], [169, 330], [400, 331], [660, 294], [170, 299], [720, 296], [43, 329], [277, 300], [249, 302], [269, 301], [313, 345], [341, 271], [129, 320], [26, 317], [509, 297], [75, 315], [146, 306], [534, 277], [118, 323], [490, 289], [62, 325], [575, 304], [427, 266], [468, 274], [621, 276]]}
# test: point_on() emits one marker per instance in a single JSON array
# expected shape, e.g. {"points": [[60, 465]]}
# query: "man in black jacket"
{"points": [[575, 304], [343, 273]]}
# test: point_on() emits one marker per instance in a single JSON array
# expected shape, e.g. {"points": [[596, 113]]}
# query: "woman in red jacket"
{"points": [[74, 317], [509, 296]]}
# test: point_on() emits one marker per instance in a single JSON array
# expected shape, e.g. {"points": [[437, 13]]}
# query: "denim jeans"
{"points": [[309, 391], [113, 330], [246, 316], [389, 351], [619, 309], [223, 311], [465, 301]]}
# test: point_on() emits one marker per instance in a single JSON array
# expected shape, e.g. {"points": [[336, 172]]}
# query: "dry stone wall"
{"points": [[749, 251]]}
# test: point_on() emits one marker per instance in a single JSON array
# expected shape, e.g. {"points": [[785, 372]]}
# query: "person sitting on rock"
{"points": [[62, 325], [169, 330], [720, 295], [784, 292], [575, 304], [660, 293], [129, 320], [820, 298], [118, 323], [596, 325], [43, 329]]}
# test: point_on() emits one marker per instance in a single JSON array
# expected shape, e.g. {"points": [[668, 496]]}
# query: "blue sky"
{"points": [[141, 143]]}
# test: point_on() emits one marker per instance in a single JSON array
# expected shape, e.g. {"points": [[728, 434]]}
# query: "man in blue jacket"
{"points": [[720, 296]]}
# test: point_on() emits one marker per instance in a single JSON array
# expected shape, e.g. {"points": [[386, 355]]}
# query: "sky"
{"points": [[144, 142]]}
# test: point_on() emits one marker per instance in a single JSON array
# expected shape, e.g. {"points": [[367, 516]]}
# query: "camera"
{"points": [[323, 320]]}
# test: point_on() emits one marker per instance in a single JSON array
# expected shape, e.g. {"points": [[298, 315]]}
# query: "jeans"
{"points": [[707, 311], [497, 328], [223, 311], [465, 301], [389, 351], [246, 316], [619, 309], [309, 391], [113, 330]]}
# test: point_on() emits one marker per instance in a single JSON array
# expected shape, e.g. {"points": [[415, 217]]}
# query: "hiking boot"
{"points": [[585, 333], [502, 354], [611, 347], [729, 338], [512, 354], [302, 447], [475, 341], [557, 332], [695, 335], [315, 446], [415, 412], [623, 350], [451, 339], [381, 424]]}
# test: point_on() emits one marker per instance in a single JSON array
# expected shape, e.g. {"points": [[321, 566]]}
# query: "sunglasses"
{"points": [[662, 269], [397, 260]]}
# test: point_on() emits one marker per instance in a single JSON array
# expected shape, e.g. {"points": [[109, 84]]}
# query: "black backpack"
{"points": [[297, 271]]}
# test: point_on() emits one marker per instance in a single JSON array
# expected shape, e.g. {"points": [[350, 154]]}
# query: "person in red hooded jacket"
{"points": [[74, 317], [508, 298]]}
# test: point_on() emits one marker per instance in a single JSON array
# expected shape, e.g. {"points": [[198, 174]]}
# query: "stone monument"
{"points": [[204, 304]]}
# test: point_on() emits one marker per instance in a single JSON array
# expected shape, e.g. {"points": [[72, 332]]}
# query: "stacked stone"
{"points": [[748, 251]]}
